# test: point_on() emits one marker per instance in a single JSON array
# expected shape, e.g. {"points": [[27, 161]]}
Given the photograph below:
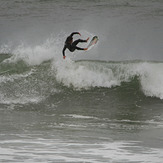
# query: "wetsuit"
{"points": [[69, 44]]}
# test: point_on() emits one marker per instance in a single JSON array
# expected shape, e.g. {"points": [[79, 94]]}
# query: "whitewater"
{"points": [[100, 105]]}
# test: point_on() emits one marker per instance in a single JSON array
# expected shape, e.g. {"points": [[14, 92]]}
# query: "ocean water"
{"points": [[103, 105]]}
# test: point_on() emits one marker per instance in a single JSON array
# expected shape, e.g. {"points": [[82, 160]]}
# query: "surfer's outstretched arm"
{"points": [[63, 52]]}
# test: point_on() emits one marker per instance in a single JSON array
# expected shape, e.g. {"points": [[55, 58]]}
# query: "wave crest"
{"points": [[86, 74]]}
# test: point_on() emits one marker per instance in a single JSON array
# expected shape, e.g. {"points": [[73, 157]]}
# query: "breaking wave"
{"points": [[33, 73], [86, 74]]}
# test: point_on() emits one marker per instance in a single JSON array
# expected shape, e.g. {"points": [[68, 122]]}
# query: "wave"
{"points": [[88, 74], [79, 75], [40, 71]]}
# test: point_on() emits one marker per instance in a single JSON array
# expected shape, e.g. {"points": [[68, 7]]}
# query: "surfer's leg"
{"points": [[77, 41], [78, 48], [81, 48], [73, 47]]}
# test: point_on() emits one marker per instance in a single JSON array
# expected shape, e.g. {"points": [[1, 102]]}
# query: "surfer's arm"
{"points": [[63, 52], [74, 33]]}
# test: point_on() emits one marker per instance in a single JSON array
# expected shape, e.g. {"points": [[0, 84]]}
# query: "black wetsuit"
{"points": [[69, 44]]}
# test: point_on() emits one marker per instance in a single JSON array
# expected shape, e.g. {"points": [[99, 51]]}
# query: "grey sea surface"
{"points": [[102, 105]]}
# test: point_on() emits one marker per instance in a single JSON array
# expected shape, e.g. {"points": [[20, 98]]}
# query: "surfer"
{"points": [[72, 46]]}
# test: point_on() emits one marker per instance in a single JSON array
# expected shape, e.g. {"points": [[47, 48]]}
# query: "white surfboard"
{"points": [[92, 42]]}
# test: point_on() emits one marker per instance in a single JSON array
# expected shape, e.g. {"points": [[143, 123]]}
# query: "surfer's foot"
{"points": [[85, 49], [87, 39]]}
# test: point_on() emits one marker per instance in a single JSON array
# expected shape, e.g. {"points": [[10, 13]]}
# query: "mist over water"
{"points": [[102, 105]]}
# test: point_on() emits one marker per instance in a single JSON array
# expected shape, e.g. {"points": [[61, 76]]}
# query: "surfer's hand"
{"points": [[64, 57], [87, 39], [79, 33], [85, 49]]}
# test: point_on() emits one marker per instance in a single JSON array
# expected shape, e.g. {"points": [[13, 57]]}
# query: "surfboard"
{"points": [[93, 42]]}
